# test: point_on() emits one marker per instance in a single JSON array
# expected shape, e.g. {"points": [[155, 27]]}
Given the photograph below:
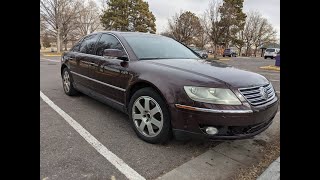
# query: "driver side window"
{"points": [[107, 42]]}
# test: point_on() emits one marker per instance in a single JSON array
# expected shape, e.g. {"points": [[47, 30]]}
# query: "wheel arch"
{"points": [[143, 84], [62, 67]]}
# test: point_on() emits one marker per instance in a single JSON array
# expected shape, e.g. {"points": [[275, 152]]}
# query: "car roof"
{"points": [[128, 33]]}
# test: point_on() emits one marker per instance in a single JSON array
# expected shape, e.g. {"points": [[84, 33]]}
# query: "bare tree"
{"points": [[184, 26], [265, 34], [88, 20], [202, 38], [257, 31], [59, 16], [250, 30], [42, 31], [212, 25]]}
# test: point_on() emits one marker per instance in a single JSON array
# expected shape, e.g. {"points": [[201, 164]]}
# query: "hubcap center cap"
{"points": [[146, 116]]}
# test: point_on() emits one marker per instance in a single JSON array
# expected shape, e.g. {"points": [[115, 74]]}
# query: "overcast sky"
{"points": [[164, 9]]}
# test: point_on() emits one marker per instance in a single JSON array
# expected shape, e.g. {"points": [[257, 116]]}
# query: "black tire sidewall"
{"points": [[165, 133]]}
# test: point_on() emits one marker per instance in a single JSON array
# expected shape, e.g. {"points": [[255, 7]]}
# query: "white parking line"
{"points": [[112, 158], [50, 60], [278, 91], [274, 80]]}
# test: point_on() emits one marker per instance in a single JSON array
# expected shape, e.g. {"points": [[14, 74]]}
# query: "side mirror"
{"points": [[115, 53]]}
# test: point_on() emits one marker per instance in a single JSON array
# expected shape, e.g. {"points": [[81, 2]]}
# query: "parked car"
{"points": [[271, 53], [166, 89], [202, 53], [229, 52]]}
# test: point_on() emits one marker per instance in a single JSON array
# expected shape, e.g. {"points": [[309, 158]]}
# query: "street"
{"points": [[65, 154]]}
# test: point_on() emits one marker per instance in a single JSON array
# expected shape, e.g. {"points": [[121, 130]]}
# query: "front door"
{"points": [[112, 74]]}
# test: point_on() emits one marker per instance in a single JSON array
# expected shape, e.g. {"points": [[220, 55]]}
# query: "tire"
{"points": [[67, 83], [271, 57], [162, 129], [265, 57], [223, 55]]}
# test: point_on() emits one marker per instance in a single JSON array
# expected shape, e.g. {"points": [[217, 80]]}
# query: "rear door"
{"points": [[76, 66], [83, 60]]}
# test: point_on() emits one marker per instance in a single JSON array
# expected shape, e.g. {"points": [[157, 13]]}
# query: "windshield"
{"points": [[158, 47], [270, 50]]}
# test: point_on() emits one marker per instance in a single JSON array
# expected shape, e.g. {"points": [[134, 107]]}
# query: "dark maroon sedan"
{"points": [[167, 89]]}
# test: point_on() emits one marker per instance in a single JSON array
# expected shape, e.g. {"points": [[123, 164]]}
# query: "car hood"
{"points": [[211, 69]]}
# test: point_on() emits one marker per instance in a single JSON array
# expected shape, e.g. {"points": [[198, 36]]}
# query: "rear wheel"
{"points": [[67, 83], [149, 116], [265, 57]]}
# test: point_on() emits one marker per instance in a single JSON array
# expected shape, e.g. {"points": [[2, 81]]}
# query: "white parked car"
{"points": [[271, 53]]}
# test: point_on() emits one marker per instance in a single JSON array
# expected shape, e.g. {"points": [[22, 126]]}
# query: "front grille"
{"points": [[254, 96]]}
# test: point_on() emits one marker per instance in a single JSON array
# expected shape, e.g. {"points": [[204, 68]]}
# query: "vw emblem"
{"points": [[264, 93]]}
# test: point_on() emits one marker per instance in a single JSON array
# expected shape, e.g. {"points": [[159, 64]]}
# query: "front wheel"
{"points": [[149, 116], [67, 83]]}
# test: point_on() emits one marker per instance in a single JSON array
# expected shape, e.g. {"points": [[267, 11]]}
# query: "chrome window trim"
{"points": [[106, 84], [214, 110]]}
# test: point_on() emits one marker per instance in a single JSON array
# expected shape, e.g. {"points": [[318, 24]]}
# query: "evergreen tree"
{"points": [[232, 20], [128, 15]]}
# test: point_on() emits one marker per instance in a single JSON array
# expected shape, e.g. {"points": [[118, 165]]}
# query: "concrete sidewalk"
{"points": [[223, 161], [272, 172]]}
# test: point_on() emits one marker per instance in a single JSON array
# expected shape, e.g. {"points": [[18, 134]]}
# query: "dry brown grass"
{"points": [[51, 53], [271, 67], [272, 152]]}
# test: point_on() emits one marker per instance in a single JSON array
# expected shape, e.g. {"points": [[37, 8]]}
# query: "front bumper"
{"points": [[234, 124]]}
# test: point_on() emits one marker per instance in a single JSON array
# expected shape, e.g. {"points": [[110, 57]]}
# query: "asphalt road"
{"points": [[65, 154]]}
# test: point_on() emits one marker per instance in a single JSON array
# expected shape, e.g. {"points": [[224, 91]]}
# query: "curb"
{"points": [[272, 172]]}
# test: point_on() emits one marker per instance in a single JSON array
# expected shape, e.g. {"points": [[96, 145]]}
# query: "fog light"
{"points": [[211, 130]]}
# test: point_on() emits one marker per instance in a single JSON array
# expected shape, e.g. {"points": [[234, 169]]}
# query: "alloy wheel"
{"points": [[66, 81], [147, 116]]}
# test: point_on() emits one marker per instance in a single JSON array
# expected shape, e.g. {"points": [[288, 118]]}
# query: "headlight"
{"points": [[212, 95]]}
